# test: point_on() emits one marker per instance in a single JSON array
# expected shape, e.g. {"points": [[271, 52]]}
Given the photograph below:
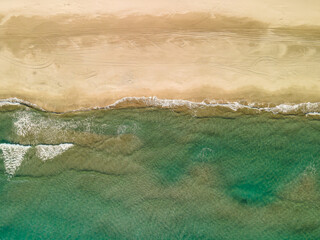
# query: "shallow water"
{"points": [[159, 174]]}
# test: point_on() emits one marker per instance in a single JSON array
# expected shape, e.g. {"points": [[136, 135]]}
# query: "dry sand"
{"points": [[80, 55]]}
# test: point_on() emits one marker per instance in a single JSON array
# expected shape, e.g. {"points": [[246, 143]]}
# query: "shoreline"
{"points": [[307, 108], [77, 101]]}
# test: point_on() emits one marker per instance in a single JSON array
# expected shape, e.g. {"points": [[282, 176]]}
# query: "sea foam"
{"points": [[13, 156], [4, 103], [32, 123], [46, 152], [304, 108], [18, 101]]}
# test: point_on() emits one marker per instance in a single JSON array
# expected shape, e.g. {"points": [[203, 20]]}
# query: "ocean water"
{"points": [[150, 173]]}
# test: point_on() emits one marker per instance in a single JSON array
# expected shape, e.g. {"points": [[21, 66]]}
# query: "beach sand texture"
{"points": [[74, 54]]}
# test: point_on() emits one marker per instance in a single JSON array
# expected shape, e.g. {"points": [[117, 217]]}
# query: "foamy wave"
{"points": [[18, 101], [29, 123], [8, 104], [313, 114], [32, 123], [46, 152], [301, 108], [156, 102], [13, 156], [305, 108]]}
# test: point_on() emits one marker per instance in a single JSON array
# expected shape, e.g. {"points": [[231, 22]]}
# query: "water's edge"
{"points": [[306, 108]]}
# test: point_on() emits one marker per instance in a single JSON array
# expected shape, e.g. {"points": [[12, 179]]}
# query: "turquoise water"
{"points": [[160, 174]]}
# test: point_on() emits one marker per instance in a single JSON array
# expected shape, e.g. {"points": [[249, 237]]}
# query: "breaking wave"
{"points": [[47, 152], [308, 108], [13, 154]]}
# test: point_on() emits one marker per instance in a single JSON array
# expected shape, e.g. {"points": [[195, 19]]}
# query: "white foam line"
{"points": [[235, 106], [8, 104], [18, 101], [313, 114], [305, 108]]}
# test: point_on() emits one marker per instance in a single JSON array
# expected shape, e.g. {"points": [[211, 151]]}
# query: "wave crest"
{"points": [[308, 108]]}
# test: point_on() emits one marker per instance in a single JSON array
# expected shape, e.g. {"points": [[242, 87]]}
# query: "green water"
{"points": [[160, 174]]}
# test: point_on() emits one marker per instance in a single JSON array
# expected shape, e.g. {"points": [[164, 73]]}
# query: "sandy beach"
{"points": [[75, 55]]}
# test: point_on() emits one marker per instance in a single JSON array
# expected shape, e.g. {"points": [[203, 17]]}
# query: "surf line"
{"points": [[307, 108]]}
